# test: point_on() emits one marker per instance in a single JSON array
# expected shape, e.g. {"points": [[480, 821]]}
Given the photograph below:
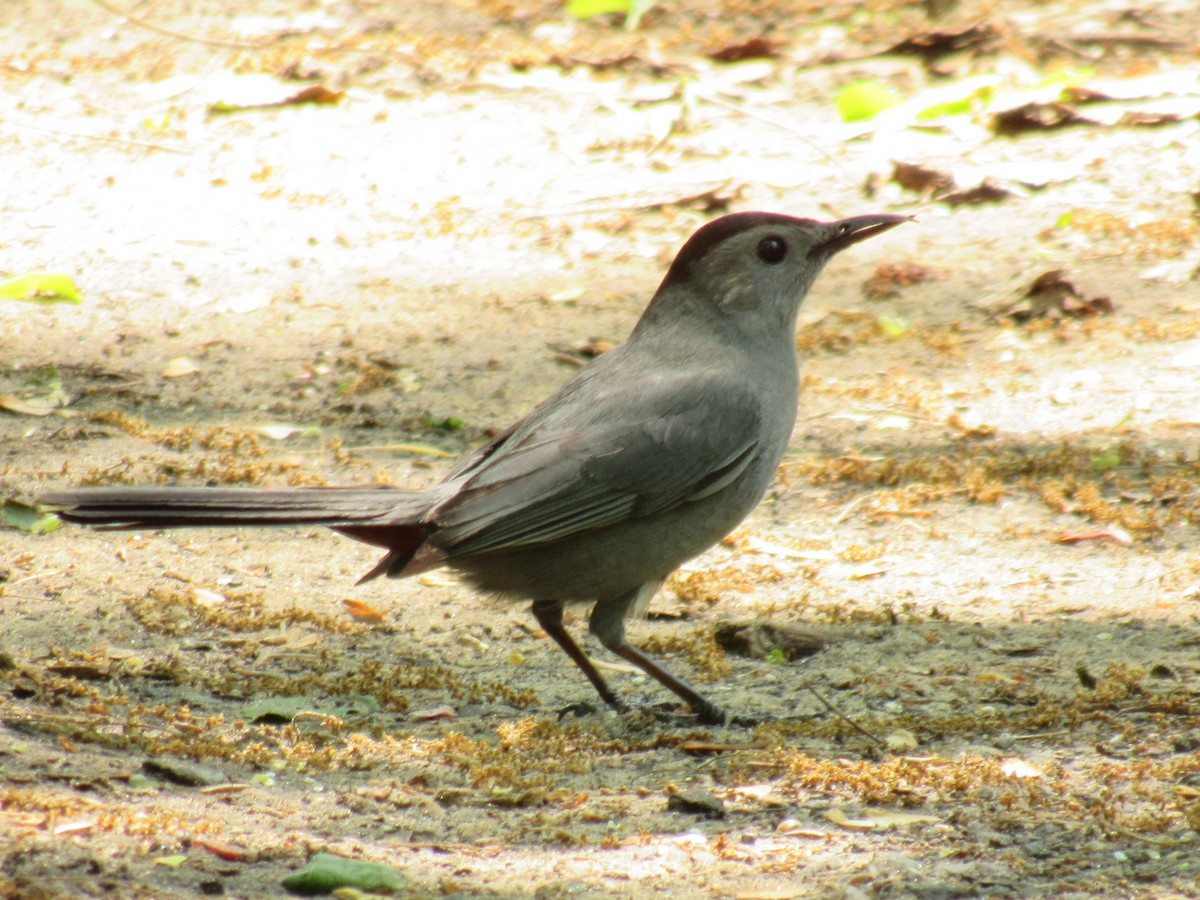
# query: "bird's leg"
{"points": [[608, 624], [550, 617]]}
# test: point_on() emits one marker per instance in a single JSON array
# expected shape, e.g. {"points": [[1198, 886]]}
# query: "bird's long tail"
{"points": [[175, 507], [382, 516]]}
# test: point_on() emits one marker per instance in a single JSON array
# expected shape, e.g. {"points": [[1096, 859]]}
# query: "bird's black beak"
{"points": [[850, 231]]}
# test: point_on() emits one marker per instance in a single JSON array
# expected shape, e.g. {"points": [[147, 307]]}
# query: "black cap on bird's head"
{"points": [[827, 238], [754, 261]]}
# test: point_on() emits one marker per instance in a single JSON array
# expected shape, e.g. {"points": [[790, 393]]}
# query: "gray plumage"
{"points": [[647, 457]]}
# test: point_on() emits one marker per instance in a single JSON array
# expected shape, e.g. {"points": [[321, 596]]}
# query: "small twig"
{"points": [[795, 132], [1115, 37], [147, 145], [850, 507], [837, 712], [213, 42], [35, 576], [1144, 838], [1040, 734]]}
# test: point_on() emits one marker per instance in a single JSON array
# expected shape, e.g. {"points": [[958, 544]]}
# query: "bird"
{"points": [[648, 456]]}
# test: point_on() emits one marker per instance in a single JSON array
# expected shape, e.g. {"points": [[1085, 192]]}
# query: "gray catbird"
{"points": [[648, 456]]}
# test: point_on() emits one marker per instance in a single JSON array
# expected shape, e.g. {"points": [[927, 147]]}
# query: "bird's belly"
{"points": [[609, 562]]}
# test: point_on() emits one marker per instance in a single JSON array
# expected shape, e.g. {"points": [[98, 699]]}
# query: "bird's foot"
{"points": [[578, 710]]}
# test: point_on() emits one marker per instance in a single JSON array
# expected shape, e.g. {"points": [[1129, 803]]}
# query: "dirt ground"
{"points": [[975, 585]]}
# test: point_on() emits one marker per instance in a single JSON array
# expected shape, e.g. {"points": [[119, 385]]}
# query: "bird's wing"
{"points": [[625, 455]]}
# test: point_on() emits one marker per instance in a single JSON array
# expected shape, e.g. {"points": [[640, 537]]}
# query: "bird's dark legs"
{"points": [[549, 616], [608, 624], [706, 711]]}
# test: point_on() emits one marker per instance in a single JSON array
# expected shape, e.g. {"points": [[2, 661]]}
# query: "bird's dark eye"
{"points": [[772, 249]]}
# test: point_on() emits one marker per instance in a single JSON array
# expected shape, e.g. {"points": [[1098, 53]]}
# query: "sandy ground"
{"points": [[987, 525]]}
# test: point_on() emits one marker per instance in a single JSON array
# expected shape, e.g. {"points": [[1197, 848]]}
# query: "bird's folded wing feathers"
{"points": [[565, 479]]}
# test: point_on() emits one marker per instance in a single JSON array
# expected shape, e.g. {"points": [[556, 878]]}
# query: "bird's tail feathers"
{"points": [[175, 507]]}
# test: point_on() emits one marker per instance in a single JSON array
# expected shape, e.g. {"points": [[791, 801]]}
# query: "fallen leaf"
{"points": [[280, 432], [921, 179], [932, 45], [864, 99], [900, 741], [1052, 296], [876, 819], [28, 518], [759, 47], [438, 712], [206, 597], [363, 612], [890, 277], [179, 367], [227, 852], [748, 543], [41, 287], [970, 425], [74, 826], [1016, 768], [792, 828], [51, 404], [1037, 117], [987, 191], [237, 93], [760, 640], [1112, 533]]}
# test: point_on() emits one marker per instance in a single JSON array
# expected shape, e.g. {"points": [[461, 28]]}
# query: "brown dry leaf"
{"points": [[701, 746], [228, 852], [236, 93], [890, 277], [1037, 117], [437, 712], [921, 179], [1052, 296], [941, 186], [932, 45], [364, 612], [1111, 533], [314, 93], [970, 426], [753, 48], [987, 191], [758, 640]]}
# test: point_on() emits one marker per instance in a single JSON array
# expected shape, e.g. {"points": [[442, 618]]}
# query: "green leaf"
{"points": [[29, 518], [325, 873], [957, 107], [41, 287], [864, 99], [585, 9], [892, 326], [174, 861], [275, 710], [1108, 459], [450, 423]]}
